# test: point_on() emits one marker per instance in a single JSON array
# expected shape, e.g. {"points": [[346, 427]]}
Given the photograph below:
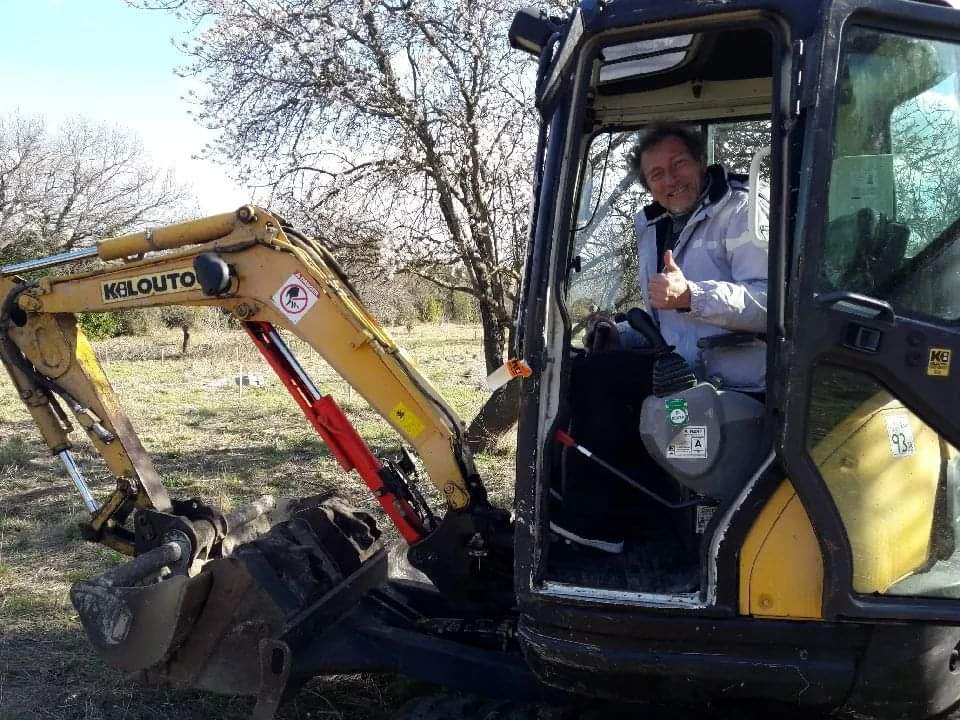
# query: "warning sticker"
{"points": [[900, 435], [939, 362], [705, 513], [295, 297], [408, 421], [691, 442]]}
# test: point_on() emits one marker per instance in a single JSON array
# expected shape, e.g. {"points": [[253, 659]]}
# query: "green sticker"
{"points": [[677, 412]]}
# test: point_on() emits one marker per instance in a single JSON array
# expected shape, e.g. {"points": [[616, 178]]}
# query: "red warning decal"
{"points": [[295, 297]]}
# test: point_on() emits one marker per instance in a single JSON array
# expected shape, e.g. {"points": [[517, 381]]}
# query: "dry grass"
{"points": [[221, 444]]}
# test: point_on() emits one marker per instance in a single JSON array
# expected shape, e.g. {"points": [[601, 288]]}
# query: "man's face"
{"points": [[674, 176]]}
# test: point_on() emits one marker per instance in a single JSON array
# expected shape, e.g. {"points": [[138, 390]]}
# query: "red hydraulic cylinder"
{"points": [[345, 443]]}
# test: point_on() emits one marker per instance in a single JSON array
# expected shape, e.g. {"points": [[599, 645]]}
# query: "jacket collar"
{"points": [[718, 189]]}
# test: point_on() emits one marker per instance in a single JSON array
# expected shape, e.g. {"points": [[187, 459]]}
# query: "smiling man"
{"points": [[702, 271]]}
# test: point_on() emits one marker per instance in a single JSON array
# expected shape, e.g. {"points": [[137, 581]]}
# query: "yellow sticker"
{"points": [[939, 363], [408, 421]]}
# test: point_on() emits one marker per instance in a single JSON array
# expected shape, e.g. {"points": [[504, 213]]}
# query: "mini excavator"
{"points": [[799, 545]]}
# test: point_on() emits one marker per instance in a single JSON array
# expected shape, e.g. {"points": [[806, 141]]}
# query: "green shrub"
{"points": [[98, 326], [464, 308], [431, 310], [138, 322]]}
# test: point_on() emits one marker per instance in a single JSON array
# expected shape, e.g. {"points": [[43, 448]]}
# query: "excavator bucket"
{"points": [[134, 628], [234, 626]]}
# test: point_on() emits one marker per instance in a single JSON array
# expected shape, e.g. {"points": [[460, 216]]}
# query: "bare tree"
{"points": [[182, 318], [403, 126], [58, 190], [735, 144]]}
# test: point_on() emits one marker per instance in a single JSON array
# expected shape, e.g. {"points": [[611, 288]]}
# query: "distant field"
{"points": [[217, 442]]}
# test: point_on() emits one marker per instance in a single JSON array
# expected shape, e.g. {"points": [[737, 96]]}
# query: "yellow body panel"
{"points": [[781, 569], [56, 346], [886, 502]]}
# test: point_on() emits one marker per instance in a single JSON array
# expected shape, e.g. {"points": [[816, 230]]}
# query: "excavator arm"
{"points": [[271, 278], [260, 274]]}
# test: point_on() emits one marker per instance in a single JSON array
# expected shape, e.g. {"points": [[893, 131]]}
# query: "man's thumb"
{"points": [[668, 262]]}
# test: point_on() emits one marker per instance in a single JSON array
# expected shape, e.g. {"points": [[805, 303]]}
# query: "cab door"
{"points": [[869, 370]]}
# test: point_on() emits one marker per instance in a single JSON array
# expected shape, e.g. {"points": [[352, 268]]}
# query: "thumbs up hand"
{"points": [[669, 289]]}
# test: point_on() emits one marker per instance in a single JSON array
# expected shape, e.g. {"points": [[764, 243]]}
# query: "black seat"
{"points": [[606, 394]]}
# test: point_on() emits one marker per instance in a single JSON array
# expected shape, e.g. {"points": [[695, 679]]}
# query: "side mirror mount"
{"points": [[531, 29]]}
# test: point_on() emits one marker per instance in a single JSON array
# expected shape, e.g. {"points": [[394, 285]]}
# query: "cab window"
{"points": [[894, 209], [604, 274]]}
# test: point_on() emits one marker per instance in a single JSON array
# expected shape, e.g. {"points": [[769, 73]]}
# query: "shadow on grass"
{"points": [[300, 459], [23, 452], [21, 448], [58, 675]]}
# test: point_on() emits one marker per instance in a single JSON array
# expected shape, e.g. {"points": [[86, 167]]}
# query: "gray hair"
{"points": [[656, 134]]}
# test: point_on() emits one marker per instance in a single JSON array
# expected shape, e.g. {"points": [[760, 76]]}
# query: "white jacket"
{"points": [[726, 268]]}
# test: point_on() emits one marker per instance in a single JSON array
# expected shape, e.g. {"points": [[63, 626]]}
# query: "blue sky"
{"points": [[112, 63]]}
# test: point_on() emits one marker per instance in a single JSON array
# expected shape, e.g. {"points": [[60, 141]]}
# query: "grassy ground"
{"points": [[217, 442]]}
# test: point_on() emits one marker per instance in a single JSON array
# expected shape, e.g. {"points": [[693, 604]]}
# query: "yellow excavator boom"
{"points": [[250, 265]]}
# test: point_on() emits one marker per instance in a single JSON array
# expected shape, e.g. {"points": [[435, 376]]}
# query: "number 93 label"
{"points": [[900, 434]]}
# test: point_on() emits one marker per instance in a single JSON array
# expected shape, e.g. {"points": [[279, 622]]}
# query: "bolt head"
{"points": [[246, 214]]}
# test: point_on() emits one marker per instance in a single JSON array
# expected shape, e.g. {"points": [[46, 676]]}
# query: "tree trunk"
{"points": [[494, 338], [501, 410], [495, 418], [186, 340]]}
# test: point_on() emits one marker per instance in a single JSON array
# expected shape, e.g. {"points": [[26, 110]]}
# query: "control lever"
{"points": [[671, 373], [641, 321]]}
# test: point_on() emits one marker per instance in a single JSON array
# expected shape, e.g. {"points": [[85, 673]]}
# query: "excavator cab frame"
{"points": [[823, 553]]}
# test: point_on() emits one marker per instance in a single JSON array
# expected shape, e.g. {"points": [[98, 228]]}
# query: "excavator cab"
{"points": [[652, 450], [804, 531], [798, 541]]}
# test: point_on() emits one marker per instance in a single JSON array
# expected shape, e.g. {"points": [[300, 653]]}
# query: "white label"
{"points": [[691, 442], [900, 435], [704, 515], [295, 297]]}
